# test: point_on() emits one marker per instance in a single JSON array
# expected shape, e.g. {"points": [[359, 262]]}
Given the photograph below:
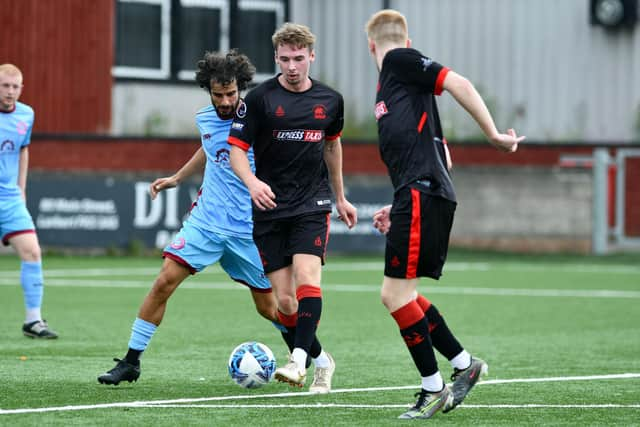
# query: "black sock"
{"points": [[133, 356], [418, 341], [309, 311], [441, 336]]}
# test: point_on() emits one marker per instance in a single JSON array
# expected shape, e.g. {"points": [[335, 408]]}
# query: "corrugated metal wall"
{"points": [[541, 66], [64, 49]]}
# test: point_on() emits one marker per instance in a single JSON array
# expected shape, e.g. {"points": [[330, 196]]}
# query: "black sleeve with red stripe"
{"points": [[411, 67], [335, 128], [246, 121]]}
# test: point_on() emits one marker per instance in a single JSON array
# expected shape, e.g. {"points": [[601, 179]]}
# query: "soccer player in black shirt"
{"points": [[294, 124], [418, 223]]}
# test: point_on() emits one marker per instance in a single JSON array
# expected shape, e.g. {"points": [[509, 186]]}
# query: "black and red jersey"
{"points": [[409, 130], [287, 131]]}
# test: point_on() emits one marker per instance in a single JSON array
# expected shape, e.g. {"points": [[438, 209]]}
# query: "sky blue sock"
{"points": [[31, 281], [141, 333]]}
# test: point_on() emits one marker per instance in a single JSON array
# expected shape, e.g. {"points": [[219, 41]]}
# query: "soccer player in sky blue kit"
{"points": [[16, 226], [219, 227]]}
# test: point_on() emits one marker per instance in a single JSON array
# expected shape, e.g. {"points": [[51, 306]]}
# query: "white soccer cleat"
{"points": [[291, 373], [322, 378]]}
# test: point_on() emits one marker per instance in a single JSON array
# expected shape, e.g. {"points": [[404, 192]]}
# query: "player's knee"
{"points": [[164, 286], [287, 303], [31, 253]]}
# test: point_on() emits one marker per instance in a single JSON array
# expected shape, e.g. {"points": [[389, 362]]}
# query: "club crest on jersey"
{"points": [[381, 110], [301, 135], [241, 111], [319, 112], [22, 128]]}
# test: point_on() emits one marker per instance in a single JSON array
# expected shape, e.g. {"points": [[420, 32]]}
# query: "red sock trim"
{"points": [[288, 320], [408, 315], [423, 303], [308, 291]]}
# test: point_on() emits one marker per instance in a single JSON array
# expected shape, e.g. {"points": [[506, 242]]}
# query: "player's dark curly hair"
{"points": [[224, 68]]}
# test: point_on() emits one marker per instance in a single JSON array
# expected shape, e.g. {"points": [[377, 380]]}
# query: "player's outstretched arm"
{"points": [[260, 191], [194, 165], [466, 95]]}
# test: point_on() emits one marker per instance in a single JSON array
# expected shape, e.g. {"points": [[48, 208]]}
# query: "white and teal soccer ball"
{"points": [[251, 364]]}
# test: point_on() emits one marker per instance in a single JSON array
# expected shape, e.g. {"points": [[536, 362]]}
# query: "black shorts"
{"points": [[279, 239], [418, 239]]}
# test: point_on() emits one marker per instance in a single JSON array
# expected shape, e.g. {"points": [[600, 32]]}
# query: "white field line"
{"points": [[359, 266], [187, 401], [445, 289], [365, 406]]}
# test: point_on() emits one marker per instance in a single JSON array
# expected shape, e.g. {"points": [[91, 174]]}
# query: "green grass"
{"points": [[528, 316]]}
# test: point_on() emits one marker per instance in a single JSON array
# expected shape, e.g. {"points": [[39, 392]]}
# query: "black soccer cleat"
{"points": [[38, 329], [123, 371]]}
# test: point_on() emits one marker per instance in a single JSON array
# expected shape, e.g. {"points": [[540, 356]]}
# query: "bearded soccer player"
{"points": [[294, 123], [219, 226], [418, 223], [16, 225]]}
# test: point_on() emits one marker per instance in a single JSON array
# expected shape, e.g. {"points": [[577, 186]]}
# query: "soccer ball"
{"points": [[251, 364]]}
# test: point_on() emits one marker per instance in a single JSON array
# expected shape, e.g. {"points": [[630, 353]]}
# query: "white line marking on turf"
{"points": [[176, 402], [360, 266], [364, 406], [443, 290]]}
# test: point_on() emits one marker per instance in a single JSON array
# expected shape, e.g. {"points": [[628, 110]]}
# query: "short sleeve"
{"points": [[411, 67], [334, 131], [245, 122]]}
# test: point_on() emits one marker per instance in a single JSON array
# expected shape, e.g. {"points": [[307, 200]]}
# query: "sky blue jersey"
{"points": [[224, 204], [15, 133]]}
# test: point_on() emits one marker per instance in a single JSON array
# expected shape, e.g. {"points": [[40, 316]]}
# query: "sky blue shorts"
{"points": [[197, 249], [14, 219]]}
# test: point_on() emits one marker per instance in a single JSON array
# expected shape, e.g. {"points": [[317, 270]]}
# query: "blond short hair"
{"points": [[10, 70], [297, 35], [387, 26]]}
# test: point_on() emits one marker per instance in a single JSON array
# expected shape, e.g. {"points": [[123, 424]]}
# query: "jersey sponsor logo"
{"points": [[241, 111], [237, 126], [319, 112], [178, 243], [302, 135], [7, 145], [22, 127], [381, 110], [280, 111]]}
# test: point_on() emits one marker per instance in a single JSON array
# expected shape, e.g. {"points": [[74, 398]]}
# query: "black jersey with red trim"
{"points": [[409, 130], [288, 131]]}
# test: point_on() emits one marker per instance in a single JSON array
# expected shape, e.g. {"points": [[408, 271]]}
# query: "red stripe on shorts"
{"points": [[414, 236]]}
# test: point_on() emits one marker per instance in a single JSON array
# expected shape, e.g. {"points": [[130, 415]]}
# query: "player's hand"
{"points": [[507, 142], [262, 195], [382, 219], [347, 213], [161, 184]]}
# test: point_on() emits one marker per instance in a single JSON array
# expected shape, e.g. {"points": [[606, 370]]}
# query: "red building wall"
{"points": [[65, 51]]}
